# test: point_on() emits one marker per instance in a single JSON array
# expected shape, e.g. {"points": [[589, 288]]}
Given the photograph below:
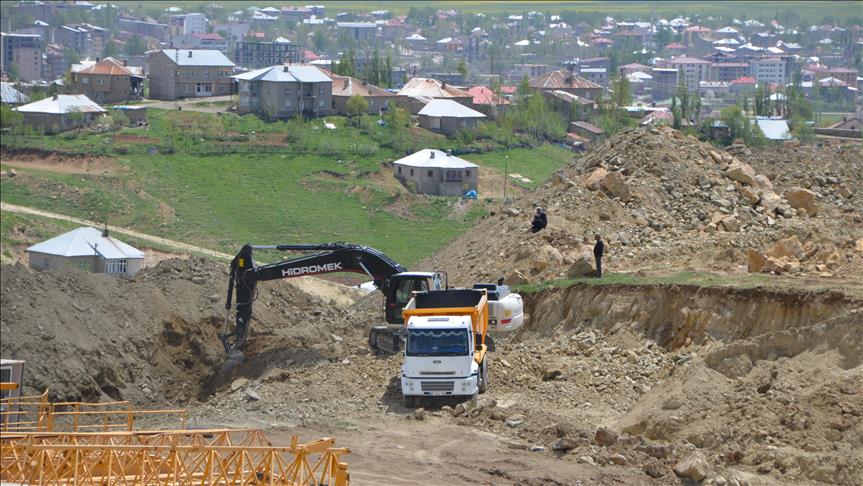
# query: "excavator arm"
{"points": [[330, 258]]}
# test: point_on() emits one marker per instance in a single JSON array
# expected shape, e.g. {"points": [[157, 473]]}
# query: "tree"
{"points": [[739, 127], [356, 105], [462, 69], [398, 126], [110, 49], [347, 64], [136, 45], [71, 56], [319, 40], [622, 92], [523, 90], [10, 119], [802, 130]]}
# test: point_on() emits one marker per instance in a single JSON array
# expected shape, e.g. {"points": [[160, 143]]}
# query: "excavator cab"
{"points": [[401, 289]]}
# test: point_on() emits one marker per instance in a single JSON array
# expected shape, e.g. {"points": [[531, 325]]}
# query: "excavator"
{"points": [[393, 280]]}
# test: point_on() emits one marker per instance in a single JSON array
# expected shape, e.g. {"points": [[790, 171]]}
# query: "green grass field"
{"points": [[812, 10], [537, 164], [317, 185]]}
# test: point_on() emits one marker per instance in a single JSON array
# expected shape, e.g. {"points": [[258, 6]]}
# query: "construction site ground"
{"points": [[681, 367]]}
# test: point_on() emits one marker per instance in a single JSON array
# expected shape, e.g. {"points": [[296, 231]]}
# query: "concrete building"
{"points": [[728, 71], [210, 41], [280, 92], [254, 55], [60, 113], [73, 37], [22, 53], [418, 92], [90, 250], [149, 29], [358, 30], [664, 82], [594, 75], [434, 172], [344, 87], [178, 73], [107, 81], [768, 70], [190, 23], [448, 117], [692, 71]]}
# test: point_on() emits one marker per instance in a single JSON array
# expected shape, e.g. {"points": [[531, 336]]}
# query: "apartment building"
{"points": [[280, 92], [255, 55], [768, 70], [176, 73], [22, 53], [692, 70]]}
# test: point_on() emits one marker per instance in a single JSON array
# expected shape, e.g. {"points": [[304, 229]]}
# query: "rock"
{"points": [[844, 191], [659, 451], [198, 279], [12, 172], [729, 223], [557, 178], [252, 394], [741, 172], [618, 459], [546, 256], [564, 444], [719, 481], [605, 436], [802, 199], [581, 268], [512, 211], [514, 422], [654, 469], [858, 246], [497, 414], [693, 466], [517, 278], [615, 185], [586, 460], [748, 194], [789, 248], [537, 448], [420, 414], [763, 182], [671, 404], [549, 375], [238, 383], [770, 201], [716, 157], [594, 180]]}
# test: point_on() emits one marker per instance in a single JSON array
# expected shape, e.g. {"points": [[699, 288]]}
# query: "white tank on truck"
{"points": [[445, 344]]}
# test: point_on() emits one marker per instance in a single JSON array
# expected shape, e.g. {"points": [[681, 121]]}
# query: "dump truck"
{"points": [[445, 344]]}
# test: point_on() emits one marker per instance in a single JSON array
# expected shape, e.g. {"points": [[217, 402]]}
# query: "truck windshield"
{"points": [[437, 342]]}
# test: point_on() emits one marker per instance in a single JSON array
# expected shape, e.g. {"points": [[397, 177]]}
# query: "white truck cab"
{"points": [[439, 357]]}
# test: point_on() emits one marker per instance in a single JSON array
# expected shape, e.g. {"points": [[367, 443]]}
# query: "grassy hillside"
{"points": [[221, 181]]}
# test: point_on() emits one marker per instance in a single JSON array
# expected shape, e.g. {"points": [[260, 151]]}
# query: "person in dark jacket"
{"points": [[598, 250], [540, 221]]}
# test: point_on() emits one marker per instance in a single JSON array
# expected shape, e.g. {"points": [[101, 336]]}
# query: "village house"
{"points": [[176, 73], [586, 130], [280, 92], [418, 92], [88, 249], [60, 112], [107, 81], [448, 117], [434, 172], [566, 81], [344, 87]]}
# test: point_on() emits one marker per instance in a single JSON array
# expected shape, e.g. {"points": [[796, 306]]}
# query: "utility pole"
{"points": [[505, 175]]}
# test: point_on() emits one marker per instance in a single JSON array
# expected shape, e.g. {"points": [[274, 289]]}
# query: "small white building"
{"points": [[88, 249], [448, 117], [435, 172]]}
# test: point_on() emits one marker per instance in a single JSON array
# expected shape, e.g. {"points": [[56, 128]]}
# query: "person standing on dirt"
{"points": [[540, 221], [598, 251]]}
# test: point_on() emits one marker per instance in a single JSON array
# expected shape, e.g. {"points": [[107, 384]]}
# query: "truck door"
{"points": [[400, 294]]}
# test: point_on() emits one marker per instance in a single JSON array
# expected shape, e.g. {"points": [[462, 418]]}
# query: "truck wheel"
{"points": [[410, 401], [483, 376]]}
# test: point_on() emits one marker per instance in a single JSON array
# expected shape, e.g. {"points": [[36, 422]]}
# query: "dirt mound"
{"points": [[151, 338], [60, 162], [659, 198]]}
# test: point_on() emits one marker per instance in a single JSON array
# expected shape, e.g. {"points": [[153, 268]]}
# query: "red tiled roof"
{"points": [[675, 45], [744, 80], [109, 66], [483, 95], [348, 86], [208, 36], [310, 56]]}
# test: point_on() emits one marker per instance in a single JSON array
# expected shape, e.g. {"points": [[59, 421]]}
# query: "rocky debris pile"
{"points": [[149, 338], [789, 255], [659, 197]]}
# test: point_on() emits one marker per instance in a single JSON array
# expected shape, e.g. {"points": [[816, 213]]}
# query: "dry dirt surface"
{"points": [[663, 200], [603, 385], [64, 163]]}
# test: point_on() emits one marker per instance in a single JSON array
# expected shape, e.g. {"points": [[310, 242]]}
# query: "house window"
{"points": [[187, 88], [287, 103], [221, 88], [115, 265], [321, 89], [412, 172], [85, 80], [430, 173], [320, 103], [453, 176], [467, 173], [206, 74], [288, 90], [400, 170], [101, 81]]}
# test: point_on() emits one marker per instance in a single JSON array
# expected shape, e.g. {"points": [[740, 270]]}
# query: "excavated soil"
{"points": [[60, 162]]}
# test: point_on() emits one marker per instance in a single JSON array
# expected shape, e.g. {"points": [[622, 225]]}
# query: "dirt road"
{"points": [[212, 104]]}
